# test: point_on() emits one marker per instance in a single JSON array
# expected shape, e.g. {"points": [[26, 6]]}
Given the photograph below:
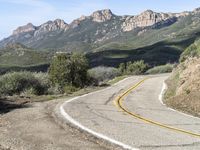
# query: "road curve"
{"points": [[151, 126]]}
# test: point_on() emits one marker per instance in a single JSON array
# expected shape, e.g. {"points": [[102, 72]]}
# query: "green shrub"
{"points": [[122, 68], [67, 69], [161, 69], [43, 79], [68, 89], [102, 74], [18, 82], [135, 68], [28, 92], [192, 51]]}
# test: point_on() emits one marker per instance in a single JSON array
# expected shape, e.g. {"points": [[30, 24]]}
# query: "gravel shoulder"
{"points": [[34, 127]]}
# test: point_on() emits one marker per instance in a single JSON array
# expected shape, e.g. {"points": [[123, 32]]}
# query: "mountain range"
{"points": [[90, 32], [109, 39]]}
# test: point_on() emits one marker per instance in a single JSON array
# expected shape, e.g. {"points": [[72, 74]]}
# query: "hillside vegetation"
{"points": [[17, 57], [161, 69]]}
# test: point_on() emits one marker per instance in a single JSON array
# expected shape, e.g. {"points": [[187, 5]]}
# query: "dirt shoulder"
{"points": [[31, 126]]}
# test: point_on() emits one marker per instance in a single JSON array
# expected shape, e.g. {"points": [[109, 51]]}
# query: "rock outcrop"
{"points": [[57, 24], [22, 29], [49, 26], [145, 19], [102, 15], [197, 10]]}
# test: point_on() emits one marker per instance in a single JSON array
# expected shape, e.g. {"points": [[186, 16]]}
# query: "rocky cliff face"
{"points": [[129, 23], [50, 26], [102, 16], [197, 10], [97, 16], [57, 24], [146, 19], [27, 28]]}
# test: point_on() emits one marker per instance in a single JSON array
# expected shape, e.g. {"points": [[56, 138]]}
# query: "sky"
{"points": [[14, 13]]}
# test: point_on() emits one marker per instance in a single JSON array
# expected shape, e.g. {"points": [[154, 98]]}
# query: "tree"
{"points": [[79, 68], [68, 69], [135, 68]]}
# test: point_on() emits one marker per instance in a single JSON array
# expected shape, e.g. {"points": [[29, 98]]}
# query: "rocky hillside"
{"points": [[91, 32], [184, 84], [107, 39]]}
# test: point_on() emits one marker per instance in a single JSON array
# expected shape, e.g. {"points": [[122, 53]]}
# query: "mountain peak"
{"points": [[197, 10], [61, 23], [26, 28], [146, 19], [102, 15], [50, 26], [148, 11], [102, 11]]}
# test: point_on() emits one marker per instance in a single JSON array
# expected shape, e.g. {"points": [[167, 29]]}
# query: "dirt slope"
{"points": [[184, 87]]}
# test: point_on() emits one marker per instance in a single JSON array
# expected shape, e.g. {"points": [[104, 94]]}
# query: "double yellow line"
{"points": [[119, 102]]}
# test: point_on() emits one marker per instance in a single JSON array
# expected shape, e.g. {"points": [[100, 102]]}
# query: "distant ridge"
{"points": [[90, 32]]}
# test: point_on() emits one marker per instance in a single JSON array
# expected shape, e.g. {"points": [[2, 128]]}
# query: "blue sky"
{"points": [[14, 13]]}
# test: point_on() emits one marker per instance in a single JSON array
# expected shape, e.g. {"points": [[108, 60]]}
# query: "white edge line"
{"points": [[79, 125], [160, 97]]}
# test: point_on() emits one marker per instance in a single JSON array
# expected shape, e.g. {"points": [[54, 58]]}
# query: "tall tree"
{"points": [[69, 69]]}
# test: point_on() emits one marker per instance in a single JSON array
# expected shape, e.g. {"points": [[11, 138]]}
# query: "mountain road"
{"points": [[130, 114]]}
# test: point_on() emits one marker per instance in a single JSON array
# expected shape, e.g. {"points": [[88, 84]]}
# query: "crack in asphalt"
{"points": [[110, 99]]}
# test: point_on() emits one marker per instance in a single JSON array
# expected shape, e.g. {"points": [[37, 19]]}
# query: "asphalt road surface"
{"points": [[135, 118]]}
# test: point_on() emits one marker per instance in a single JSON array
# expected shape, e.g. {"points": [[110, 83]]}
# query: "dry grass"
{"points": [[172, 84]]}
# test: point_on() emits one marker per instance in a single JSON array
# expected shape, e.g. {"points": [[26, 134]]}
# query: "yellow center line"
{"points": [[119, 103]]}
